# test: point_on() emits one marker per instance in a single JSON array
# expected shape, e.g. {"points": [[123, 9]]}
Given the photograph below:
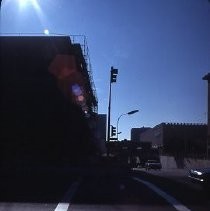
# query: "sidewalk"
{"points": [[178, 175], [169, 172], [172, 172]]}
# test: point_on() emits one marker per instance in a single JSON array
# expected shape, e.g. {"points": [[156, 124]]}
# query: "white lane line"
{"points": [[62, 207], [65, 202], [171, 200]]}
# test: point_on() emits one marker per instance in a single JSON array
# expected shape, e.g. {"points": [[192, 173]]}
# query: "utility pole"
{"points": [[113, 79]]}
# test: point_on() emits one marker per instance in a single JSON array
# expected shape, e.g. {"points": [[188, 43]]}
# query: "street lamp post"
{"points": [[118, 119]]}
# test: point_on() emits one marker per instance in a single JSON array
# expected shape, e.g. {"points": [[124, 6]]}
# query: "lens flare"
{"points": [[26, 4]]}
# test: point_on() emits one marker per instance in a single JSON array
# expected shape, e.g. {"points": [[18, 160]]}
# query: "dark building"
{"points": [[99, 130], [132, 153], [47, 93], [187, 139], [101, 127], [136, 133]]}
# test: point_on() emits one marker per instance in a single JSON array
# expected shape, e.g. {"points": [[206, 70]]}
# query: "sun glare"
{"points": [[27, 5], [23, 3]]}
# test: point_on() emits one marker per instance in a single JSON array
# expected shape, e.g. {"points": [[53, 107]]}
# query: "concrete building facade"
{"points": [[178, 138]]}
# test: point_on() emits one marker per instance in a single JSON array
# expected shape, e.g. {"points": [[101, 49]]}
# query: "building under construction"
{"points": [[47, 99]]}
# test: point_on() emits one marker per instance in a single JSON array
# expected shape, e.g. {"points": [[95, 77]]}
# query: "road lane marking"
{"points": [[66, 201], [62, 207], [171, 200]]}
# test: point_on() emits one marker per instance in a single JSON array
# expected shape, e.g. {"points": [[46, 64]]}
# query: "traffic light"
{"points": [[113, 131], [114, 73]]}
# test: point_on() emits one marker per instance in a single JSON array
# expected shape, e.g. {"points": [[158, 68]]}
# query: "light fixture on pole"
{"points": [[129, 113]]}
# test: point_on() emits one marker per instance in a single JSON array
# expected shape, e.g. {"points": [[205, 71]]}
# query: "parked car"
{"points": [[201, 176], [153, 164]]}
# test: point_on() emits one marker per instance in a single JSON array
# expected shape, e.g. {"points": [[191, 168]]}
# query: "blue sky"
{"points": [[161, 48]]}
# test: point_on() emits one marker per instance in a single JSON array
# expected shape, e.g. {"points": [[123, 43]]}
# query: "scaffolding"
{"points": [[82, 40]]}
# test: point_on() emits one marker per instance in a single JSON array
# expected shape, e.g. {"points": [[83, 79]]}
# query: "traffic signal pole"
{"points": [[113, 79], [109, 112]]}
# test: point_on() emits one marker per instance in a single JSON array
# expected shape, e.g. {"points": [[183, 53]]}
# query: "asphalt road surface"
{"points": [[108, 190]]}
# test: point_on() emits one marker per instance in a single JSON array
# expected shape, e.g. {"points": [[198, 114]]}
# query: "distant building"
{"points": [[101, 132], [178, 138], [136, 132]]}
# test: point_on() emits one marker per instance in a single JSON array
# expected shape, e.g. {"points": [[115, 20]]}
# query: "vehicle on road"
{"points": [[200, 176], [153, 164]]}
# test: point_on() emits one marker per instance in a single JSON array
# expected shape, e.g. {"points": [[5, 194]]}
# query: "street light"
{"points": [[129, 113]]}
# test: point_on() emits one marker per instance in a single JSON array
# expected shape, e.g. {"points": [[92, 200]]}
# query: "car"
{"points": [[153, 164], [200, 176]]}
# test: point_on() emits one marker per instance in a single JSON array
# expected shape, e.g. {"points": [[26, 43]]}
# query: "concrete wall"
{"points": [[196, 163], [169, 162]]}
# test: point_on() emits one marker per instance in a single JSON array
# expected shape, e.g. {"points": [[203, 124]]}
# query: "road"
{"points": [[107, 190]]}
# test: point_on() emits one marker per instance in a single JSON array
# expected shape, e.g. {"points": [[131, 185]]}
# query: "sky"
{"points": [[161, 49]]}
